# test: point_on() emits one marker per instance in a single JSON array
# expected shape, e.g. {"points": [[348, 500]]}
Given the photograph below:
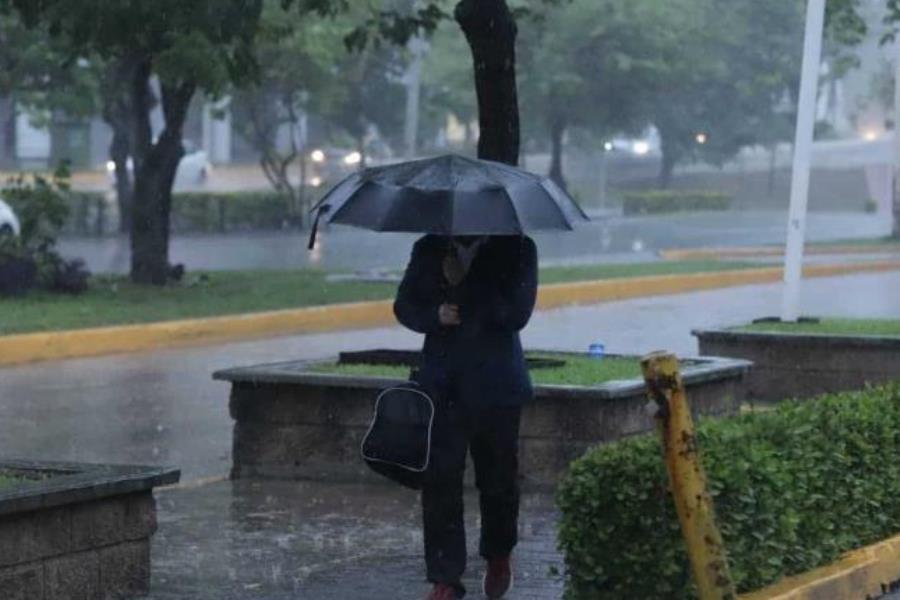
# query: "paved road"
{"points": [[606, 239], [162, 407], [269, 540]]}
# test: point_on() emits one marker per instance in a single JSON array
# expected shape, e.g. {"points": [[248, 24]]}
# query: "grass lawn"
{"points": [[6, 481], [879, 241], [115, 301], [882, 327], [579, 370]]}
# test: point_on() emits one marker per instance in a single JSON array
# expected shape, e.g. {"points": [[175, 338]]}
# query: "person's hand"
{"points": [[449, 314]]}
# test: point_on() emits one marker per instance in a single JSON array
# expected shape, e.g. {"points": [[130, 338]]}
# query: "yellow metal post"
{"points": [[692, 501]]}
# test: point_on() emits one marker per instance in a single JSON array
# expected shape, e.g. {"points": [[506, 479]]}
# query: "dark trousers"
{"points": [[492, 436]]}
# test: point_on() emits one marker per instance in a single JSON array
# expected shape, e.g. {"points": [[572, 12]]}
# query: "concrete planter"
{"points": [[803, 365], [296, 424], [77, 530]]}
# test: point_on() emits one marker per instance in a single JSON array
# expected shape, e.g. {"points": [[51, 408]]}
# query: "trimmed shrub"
{"points": [[18, 271], [30, 259], [794, 488], [227, 211], [667, 201], [86, 215]]}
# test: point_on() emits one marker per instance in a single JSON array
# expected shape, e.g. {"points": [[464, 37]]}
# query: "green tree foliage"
{"points": [[186, 46], [307, 69], [587, 65], [447, 82], [711, 75], [295, 56]]}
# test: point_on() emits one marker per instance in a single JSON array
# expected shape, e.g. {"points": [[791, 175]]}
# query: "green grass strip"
{"points": [[877, 327], [578, 370], [116, 301], [9, 481]]}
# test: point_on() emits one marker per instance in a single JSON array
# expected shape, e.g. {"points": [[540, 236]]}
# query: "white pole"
{"points": [[806, 114], [891, 211], [417, 47]]}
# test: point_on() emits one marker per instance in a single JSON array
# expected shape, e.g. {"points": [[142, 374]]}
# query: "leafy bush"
{"points": [[667, 201], [40, 203], [30, 258], [226, 211], [57, 274], [794, 488], [18, 270]]}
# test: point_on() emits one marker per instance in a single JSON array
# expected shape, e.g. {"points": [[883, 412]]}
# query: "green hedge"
{"points": [[87, 213], [191, 211], [667, 201], [794, 488], [225, 211]]}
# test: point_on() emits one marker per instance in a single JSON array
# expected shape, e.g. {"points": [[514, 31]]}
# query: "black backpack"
{"points": [[398, 442]]}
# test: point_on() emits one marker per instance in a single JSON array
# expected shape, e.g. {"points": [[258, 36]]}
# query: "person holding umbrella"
{"points": [[470, 287], [471, 296]]}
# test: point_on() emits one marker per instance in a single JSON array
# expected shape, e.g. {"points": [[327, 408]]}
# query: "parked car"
{"points": [[9, 223], [193, 170]]}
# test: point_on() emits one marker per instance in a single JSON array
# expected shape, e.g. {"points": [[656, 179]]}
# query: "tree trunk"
{"points": [[7, 132], [895, 233], [155, 165], [490, 30], [118, 153], [115, 89], [557, 131], [361, 148], [770, 183], [667, 167]]}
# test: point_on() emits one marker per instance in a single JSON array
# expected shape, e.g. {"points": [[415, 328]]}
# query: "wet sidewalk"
{"points": [[163, 408], [276, 540], [290, 540]]}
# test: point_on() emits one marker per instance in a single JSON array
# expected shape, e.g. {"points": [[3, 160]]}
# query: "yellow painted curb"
{"points": [[775, 251], [863, 573], [31, 347], [588, 292]]}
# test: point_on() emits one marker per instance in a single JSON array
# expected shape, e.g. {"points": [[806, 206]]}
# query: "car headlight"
{"points": [[315, 181], [640, 148], [110, 166], [317, 156], [354, 158]]}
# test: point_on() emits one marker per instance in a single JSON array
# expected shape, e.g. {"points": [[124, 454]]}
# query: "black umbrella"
{"points": [[449, 195]]}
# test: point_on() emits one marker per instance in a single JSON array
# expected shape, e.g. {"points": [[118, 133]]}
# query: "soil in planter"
{"points": [[875, 327], [577, 370]]}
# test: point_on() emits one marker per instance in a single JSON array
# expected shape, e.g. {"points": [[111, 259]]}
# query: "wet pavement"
{"points": [[278, 540], [163, 408], [607, 238]]}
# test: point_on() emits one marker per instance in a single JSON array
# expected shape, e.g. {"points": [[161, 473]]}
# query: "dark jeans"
{"points": [[492, 436]]}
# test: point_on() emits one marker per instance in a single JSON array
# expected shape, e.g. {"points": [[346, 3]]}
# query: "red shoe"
{"points": [[442, 591], [498, 578]]}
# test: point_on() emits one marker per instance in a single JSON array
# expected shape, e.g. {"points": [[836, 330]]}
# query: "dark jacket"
{"points": [[480, 361]]}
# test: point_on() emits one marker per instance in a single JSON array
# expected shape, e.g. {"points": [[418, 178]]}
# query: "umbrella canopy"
{"points": [[449, 195]]}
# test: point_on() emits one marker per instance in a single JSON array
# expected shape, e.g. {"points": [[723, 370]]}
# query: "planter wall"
{"points": [[296, 424], [77, 531], [803, 366]]}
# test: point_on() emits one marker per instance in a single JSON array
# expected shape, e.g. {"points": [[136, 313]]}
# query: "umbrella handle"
{"points": [[315, 227]]}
